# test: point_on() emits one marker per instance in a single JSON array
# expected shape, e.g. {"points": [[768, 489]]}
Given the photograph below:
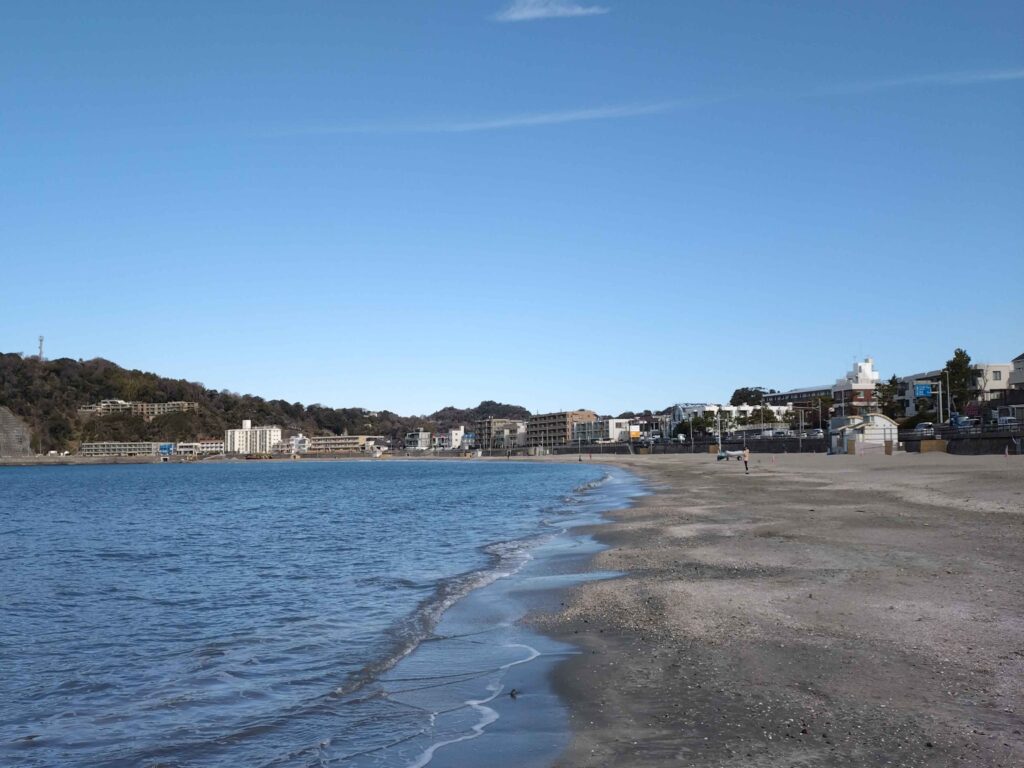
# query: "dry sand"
{"points": [[824, 610]]}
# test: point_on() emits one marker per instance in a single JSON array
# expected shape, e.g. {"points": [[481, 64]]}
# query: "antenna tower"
{"points": [[40, 347]]}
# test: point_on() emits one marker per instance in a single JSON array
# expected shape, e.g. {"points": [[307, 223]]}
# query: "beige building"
{"points": [[343, 443], [250, 439], [547, 430], [123, 449], [146, 410]]}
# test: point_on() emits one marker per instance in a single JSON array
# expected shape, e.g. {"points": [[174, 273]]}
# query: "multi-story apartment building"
{"points": [[292, 445], [250, 439], [806, 397], [854, 393], [500, 434], [343, 443], [125, 449], [601, 430], [548, 430], [147, 411], [417, 441]]}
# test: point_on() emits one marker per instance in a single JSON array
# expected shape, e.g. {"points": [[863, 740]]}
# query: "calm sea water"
{"points": [[265, 614]]}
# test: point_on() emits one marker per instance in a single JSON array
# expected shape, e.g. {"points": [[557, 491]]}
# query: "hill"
{"points": [[47, 394]]}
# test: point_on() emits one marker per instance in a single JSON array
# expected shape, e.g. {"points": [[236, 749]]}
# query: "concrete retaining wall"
{"points": [[15, 436]]}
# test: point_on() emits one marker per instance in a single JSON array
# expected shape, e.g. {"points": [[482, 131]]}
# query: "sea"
{"points": [[350, 613]]}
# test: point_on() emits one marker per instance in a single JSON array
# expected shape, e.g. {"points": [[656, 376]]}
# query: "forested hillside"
{"points": [[48, 393]]}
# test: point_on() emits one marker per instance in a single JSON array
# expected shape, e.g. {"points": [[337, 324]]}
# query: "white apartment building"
{"points": [[292, 445], [449, 440], [199, 448], [417, 441], [250, 439], [601, 430]]}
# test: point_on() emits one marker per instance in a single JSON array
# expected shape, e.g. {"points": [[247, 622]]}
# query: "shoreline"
{"points": [[486, 630], [823, 610]]}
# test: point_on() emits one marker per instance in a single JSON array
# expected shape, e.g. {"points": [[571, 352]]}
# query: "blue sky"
{"points": [[609, 204]]}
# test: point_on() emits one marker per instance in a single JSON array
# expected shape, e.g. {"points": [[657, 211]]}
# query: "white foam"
{"points": [[487, 714]]}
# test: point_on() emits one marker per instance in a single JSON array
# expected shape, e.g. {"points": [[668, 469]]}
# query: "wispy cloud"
{"points": [[528, 120], [532, 10], [944, 79], [622, 111]]}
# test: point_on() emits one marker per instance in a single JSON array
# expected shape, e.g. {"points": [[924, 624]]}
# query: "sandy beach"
{"points": [[821, 611]]}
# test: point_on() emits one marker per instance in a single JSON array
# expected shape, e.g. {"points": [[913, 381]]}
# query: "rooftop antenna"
{"points": [[40, 347]]}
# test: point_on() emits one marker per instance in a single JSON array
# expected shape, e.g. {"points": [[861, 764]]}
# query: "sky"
{"points": [[561, 204]]}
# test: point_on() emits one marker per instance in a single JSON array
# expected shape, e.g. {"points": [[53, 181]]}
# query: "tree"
{"points": [[748, 395], [708, 422], [961, 377], [762, 414], [886, 393]]}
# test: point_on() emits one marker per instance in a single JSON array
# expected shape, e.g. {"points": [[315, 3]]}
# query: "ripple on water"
{"points": [[244, 614]]}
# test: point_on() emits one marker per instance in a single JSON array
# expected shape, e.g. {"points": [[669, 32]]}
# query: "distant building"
{"points": [[804, 397], [687, 411], [500, 434], [418, 440], [250, 439], [855, 434], [993, 380], [111, 448], [448, 440], [548, 430], [1016, 379], [199, 448], [147, 411], [854, 393], [344, 443], [293, 445], [601, 430]]}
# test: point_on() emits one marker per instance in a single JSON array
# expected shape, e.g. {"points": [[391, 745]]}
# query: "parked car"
{"points": [[963, 422], [925, 429], [1007, 422], [815, 433]]}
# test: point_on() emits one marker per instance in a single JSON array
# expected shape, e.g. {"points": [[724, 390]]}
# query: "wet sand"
{"points": [[823, 610]]}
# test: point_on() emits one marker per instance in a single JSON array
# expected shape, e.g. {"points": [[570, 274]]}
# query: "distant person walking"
{"points": [[746, 460]]}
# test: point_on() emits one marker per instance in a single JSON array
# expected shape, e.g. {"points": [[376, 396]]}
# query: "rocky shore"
{"points": [[823, 610]]}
